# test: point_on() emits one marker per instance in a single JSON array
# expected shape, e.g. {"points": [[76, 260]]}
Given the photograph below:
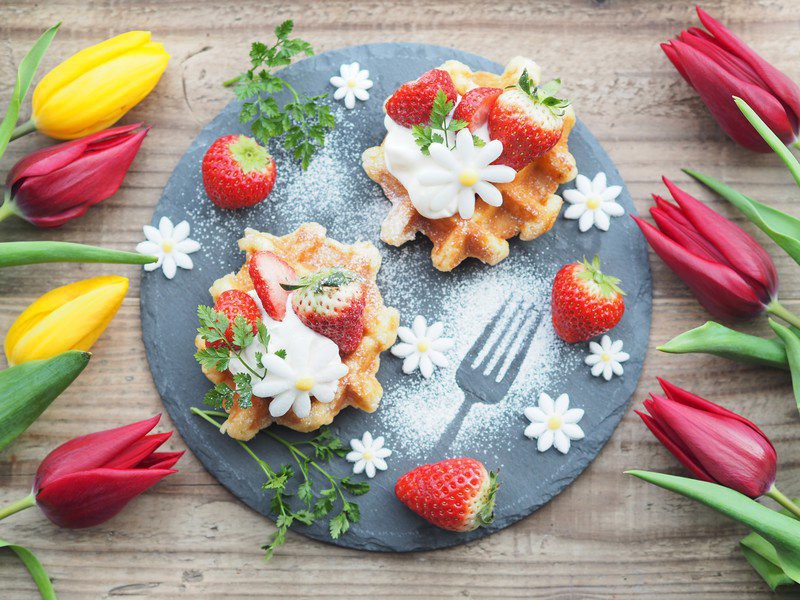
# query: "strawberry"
{"points": [[528, 119], [475, 106], [268, 273], [331, 302], [585, 302], [238, 172], [455, 494], [411, 104], [233, 303]]}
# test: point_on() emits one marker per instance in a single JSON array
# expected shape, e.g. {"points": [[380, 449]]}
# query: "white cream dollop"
{"points": [[312, 366]]}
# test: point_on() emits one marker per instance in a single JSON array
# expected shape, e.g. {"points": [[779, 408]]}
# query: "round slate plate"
{"points": [[414, 412]]}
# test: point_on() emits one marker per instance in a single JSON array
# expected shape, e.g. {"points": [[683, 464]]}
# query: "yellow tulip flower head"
{"points": [[94, 88], [70, 317]]}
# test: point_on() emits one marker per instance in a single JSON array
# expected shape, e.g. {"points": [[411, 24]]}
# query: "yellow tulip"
{"points": [[94, 88], [70, 317]]}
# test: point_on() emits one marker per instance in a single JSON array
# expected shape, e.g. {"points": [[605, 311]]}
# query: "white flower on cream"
{"points": [[171, 244], [368, 454], [422, 347], [465, 171], [593, 202], [352, 83], [553, 423], [605, 358]]}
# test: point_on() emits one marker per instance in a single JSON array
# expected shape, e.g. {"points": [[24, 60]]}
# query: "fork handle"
{"points": [[453, 427]]}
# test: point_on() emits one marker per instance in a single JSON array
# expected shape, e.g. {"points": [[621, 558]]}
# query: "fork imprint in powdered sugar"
{"points": [[493, 362]]}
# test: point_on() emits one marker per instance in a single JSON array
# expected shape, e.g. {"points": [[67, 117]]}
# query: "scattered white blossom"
{"points": [[422, 347], [593, 202], [553, 423], [352, 83], [171, 244], [605, 358], [368, 454]]}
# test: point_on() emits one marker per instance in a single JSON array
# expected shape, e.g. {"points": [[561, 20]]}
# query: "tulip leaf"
{"points": [[782, 228], [25, 74], [792, 343], [716, 339], [762, 557], [34, 567], [781, 531], [28, 389], [13, 254]]}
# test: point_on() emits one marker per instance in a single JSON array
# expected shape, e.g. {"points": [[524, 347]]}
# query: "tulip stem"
{"points": [[5, 208], [24, 129], [780, 311], [15, 507], [784, 501]]}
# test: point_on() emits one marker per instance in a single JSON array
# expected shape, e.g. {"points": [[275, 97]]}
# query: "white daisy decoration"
{"points": [[171, 244], [605, 358], [352, 83], [422, 347], [553, 423], [465, 171], [593, 202], [368, 454]]}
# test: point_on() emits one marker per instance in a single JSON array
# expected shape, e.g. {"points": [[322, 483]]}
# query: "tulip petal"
{"points": [[137, 451], [160, 460], [685, 235]]}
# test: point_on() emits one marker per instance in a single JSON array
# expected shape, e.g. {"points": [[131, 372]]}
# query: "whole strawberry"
{"points": [[528, 119], [238, 172], [585, 302], [475, 106], [411, 104], [234, 303], [331, 302], [455, 494]]}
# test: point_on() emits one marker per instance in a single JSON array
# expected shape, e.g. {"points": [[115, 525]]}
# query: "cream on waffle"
{"points": [[307, 249], [530, 205]]}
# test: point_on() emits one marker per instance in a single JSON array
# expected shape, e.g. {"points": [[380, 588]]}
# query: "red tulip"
{"points": [[714, 443], [730, 274], [58, 183], [88, 480], [718, 65]]}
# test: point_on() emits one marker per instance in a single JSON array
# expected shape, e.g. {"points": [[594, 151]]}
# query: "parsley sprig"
{"points": [[304, 119], [440, 125], [313, 506]]}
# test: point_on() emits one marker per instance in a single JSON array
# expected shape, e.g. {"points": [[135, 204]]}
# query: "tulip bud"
{"points": [[718, 65], [55, 184], [70, 317], [94, 88], [717, 445]]}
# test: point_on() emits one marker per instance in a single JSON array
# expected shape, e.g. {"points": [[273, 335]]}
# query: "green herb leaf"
{"points": [[357, 488], [220, 396], [213, 358], [338, 525], [244, 387], [242, 332]]}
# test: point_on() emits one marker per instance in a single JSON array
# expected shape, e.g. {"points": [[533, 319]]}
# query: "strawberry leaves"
{"points": [[544, 94], [439, 125]]}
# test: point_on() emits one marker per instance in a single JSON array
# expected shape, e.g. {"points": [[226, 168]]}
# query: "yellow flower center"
{"points": [[468, 177], [167, 246], [367, 455], [351, 83], [423, 345], [605, 357], [554, 422], [304, 384], [594, 202]]}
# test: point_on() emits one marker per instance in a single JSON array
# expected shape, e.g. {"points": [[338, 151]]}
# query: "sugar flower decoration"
{"points": [[464, 172], [593, 202], [368, 454], [422, 347], [171, 244], [553, 423], [352, 83], [605, 358]]}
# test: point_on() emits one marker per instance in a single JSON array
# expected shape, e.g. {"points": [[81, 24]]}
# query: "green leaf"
{"points": [[27, 389], [357, 488], [792, 344], [13, 254], [762, 557], [244, 387], [338, 525], [782, 228], [781, 531], [25, 74], [34, 567]]}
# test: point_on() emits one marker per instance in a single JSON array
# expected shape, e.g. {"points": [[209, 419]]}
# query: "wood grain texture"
{"points": [[607, 536]]}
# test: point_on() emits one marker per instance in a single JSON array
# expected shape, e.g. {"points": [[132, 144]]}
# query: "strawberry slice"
{"points": [[475, 106], [411, 104], [268, 272]]}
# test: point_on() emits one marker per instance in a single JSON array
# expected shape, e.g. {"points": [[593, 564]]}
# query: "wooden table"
{"points": [[608, 535]]}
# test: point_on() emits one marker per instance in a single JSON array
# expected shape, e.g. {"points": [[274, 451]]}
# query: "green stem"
{"points": [[232, 81], [784, 501], [15, 507], [796, 143], [780, 311], [23, 129], [6, 210]]}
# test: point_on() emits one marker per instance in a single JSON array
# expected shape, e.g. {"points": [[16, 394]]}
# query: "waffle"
{"points": [[307, 250], [530, 205]]}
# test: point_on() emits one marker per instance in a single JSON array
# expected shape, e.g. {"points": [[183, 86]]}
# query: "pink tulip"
{"points": [[58, 183], [718, 65], [714, 443], [730, 274]]}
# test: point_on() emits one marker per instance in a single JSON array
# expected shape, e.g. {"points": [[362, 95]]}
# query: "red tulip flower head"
{"points": [[718, 65], [714, 443], [58, 183], [730, 274]]}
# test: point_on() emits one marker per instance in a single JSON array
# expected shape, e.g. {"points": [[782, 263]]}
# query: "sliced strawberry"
{"points": [[234, 303], [475, 106], [268, 272], [411, 104]]}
